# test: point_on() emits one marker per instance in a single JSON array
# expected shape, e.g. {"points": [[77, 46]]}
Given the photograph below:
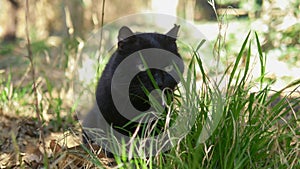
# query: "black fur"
{"points": [[129, 43]]}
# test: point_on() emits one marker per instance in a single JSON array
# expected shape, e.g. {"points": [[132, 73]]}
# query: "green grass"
{"points": [[249, 131]]}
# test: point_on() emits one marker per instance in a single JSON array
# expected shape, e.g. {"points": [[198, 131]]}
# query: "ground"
{"points": [[20, 145]]}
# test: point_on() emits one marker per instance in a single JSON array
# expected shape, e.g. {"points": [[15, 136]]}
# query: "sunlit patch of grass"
{"points": [[247, 135], [12, 99]]}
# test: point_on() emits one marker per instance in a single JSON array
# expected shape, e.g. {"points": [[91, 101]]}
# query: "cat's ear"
{"points": [[124, 33], [174, 31]]}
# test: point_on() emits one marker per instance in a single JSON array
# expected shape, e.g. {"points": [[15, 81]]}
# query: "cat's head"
{"points": [[163, 47]]}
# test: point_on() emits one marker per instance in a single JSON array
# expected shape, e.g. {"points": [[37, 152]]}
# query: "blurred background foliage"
{"points": [[58, 28], [79, 17]]}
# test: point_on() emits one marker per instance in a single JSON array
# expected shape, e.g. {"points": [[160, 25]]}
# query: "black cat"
{"points": [[141, 84]]}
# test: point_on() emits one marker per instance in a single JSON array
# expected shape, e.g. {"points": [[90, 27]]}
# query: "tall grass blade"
{"points": [[262, 61], [237, 61]]}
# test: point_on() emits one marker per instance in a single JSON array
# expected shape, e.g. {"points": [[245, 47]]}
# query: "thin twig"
{"points": [[101, 31], [38, 112]]}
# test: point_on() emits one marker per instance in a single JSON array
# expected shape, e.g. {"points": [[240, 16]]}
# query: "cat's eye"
{"points": [[169, 68], [141, 67]]}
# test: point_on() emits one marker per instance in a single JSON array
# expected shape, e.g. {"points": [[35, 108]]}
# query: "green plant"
{"points": [[249, 133]]}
